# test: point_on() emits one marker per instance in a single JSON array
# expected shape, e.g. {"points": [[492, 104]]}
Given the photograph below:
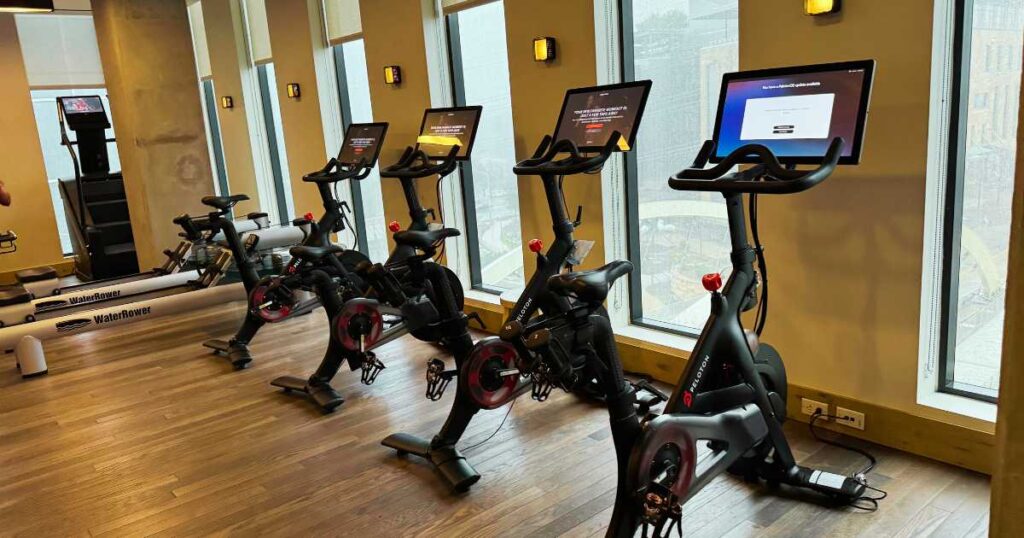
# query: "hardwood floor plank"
{"points": [[138, 430]]}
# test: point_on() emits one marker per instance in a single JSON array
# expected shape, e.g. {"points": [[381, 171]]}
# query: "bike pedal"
{"points": [[372, 366], [541, 390], [437, 379]]}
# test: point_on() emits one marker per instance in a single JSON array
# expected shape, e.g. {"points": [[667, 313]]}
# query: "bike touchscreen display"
{"points": [[796, 111]]}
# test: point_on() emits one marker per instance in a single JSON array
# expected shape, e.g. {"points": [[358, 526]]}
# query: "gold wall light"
{"points": [[543, 49], [822, 7], [392, 74], [227, 102], [293, 90]]}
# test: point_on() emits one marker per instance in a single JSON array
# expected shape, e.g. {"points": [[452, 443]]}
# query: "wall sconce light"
{"points": [[822, 7], [543, 49], [392, 74], [293, 90], [227, 102]]}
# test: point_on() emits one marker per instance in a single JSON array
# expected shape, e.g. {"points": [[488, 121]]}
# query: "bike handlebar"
{"points": [[415, 163], [334, 172], [543, 161], [768, 176]]}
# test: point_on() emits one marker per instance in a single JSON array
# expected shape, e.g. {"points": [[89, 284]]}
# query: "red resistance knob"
{"points": [[394, 226], [536, 245], [712, 282], [309, 217]]}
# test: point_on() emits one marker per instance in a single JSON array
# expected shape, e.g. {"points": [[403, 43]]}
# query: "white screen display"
{"points": [[792, 116]]}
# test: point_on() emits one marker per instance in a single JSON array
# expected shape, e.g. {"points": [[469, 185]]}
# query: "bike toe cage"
{"points": [[490, 376]]}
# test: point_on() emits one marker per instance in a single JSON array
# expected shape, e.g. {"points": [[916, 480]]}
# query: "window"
{"points": [[260, 92], [978, 194], [55, 156], [61, 58], [479, 59], [675, 237], [275, 140], [354, 90], [209, 99]]}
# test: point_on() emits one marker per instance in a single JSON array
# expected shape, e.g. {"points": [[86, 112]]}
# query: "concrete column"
{"points": [[24, 173], [291, 24], [1008, 480], [224, 37], [393, 32], [537, 93], [149, 67]]}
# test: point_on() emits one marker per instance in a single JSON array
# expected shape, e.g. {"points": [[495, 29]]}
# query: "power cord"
{"points": [[495, 432], [865, 502]]}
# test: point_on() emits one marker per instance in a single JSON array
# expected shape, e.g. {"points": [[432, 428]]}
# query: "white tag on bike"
{"points": [[580, 249], [434, 226], [829, 480]]}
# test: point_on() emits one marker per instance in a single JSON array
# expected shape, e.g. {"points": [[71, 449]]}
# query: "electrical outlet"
{"points": [[848, 417], [808, 407]]}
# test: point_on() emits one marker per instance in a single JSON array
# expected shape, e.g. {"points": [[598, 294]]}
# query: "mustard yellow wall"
{"points": [[537, 93], [150, 72], [1008, 481], [846, 284], [393, 30], [227, 81], [292, 44], [24, 174]]}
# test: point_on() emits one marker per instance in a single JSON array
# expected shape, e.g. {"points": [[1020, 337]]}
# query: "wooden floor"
{"points": [[138, 431]]}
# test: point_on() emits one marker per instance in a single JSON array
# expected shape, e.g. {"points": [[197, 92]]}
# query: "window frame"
{"points": [[458, 87], [952, 205], [344, 102], [631, 175], [216, 142], [280, 175]]}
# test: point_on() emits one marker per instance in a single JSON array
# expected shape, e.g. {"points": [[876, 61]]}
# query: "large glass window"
{"points": [[261, 93], [479, 57], [356, 107], [983, 139], [209, 100], [675, 237], [55, 155], [275, 140]]}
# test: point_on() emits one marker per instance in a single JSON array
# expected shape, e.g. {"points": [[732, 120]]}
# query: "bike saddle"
{"points": [[14, 295], [423, 240], [312, 254], [35, 274], [589, 286], [224, 203]]}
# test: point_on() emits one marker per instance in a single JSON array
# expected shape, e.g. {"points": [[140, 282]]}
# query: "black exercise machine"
{"points": [[499, 369], [409, 293], [275, 299], [732, 394]]}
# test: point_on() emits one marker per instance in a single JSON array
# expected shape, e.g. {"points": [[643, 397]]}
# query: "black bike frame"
{"points": [[723, 336], [535, 296]]}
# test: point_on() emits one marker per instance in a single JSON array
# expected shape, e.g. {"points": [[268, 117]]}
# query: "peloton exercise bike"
{"points": [[731, 396], [409, 293], [594, 123], [272, 300]]}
